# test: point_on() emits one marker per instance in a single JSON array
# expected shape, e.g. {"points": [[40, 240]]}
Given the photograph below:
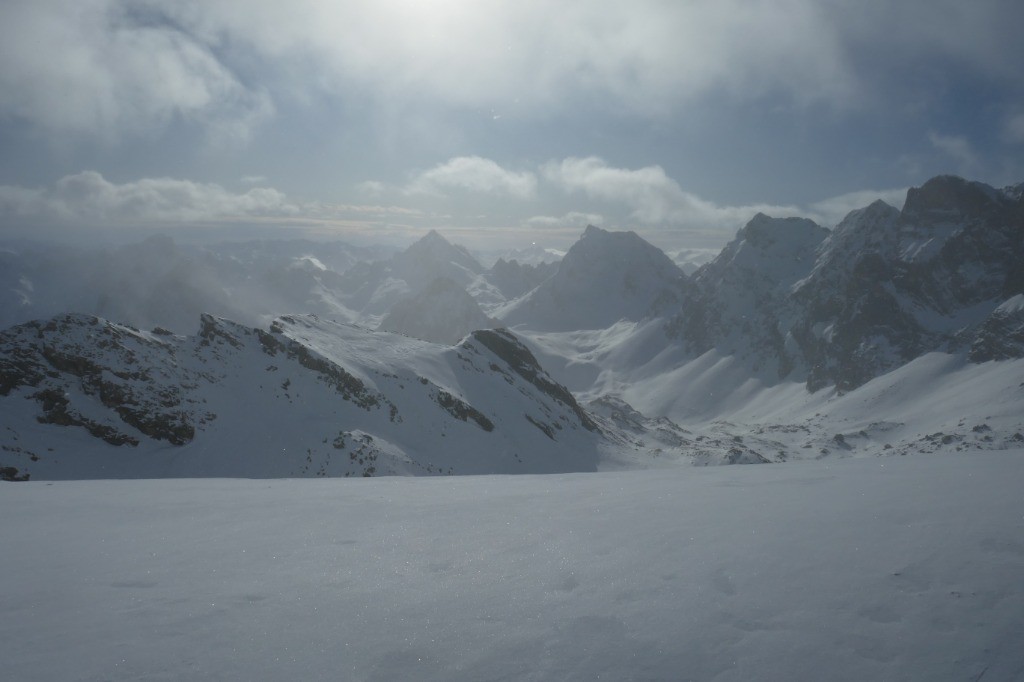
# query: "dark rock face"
{"points": [[462, 411], [128, 388], [101, 360], [910, 281], [349, 386], [1001, 336], [520, 360], [11, 474], [739, 302], [884, 287]]}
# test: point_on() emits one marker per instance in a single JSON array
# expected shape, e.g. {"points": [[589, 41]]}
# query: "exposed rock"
{"points": [[520, 360]]}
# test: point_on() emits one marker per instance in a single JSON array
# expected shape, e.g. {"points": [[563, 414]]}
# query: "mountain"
{"points": [[603, 278], [373, 287], [790, 317], [513, 278], [890, 286], [443, 312], [899, 331], [433, 256], [534, 254], [740, 301], [885, 287], [86, 398]]}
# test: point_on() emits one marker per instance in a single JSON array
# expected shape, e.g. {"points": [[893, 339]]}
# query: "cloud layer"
{"points": [[474, 174], [112, 66], [88, 198], [106, 69], [646, 199]]}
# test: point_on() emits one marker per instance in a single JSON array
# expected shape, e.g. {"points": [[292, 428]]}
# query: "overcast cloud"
{"points": [[673, 117]]}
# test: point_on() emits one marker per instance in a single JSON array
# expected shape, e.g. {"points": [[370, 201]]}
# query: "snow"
{"points": [[858, 563], [905, 568], [1012, 305]]}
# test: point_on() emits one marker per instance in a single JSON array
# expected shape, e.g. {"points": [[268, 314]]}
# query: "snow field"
{"points": [[861, 569]]}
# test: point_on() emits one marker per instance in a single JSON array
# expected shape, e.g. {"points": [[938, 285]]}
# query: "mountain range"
{"points": [[900, 330]]}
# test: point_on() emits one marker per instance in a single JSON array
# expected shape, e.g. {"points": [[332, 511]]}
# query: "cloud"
{"points": [[1013, 128], [114, 67], [652, 197], [474, 174], [656, 200], [105, 68], [644, 56], [958, 148], [371, 188], [570, 219], [89, 198], [831, 211]]}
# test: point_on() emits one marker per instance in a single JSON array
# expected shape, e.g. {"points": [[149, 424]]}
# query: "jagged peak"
{"points": [[876, 213], [434, 246], [763, 227], [879, 206], [950, 196]]}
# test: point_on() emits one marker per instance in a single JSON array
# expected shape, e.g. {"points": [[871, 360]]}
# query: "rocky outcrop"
{"points": [[840, 308], [280, 402], [520, 360], [1001, 335]]}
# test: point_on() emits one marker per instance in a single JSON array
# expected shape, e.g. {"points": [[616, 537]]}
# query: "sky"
{"points": [[495, 122]]}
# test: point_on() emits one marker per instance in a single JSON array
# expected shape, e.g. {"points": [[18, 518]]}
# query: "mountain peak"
{"points": [[443, 312], [435, 243], [764, 231], [949, 197], [433, 236], [603, 278], [428, 253]]}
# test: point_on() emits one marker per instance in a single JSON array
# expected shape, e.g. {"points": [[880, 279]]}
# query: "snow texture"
{"points": [[895, 569]]}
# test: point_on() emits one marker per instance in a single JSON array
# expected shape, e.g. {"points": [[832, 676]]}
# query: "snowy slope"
{"points": [[760, 356], [83, 397], [897, 569]]}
